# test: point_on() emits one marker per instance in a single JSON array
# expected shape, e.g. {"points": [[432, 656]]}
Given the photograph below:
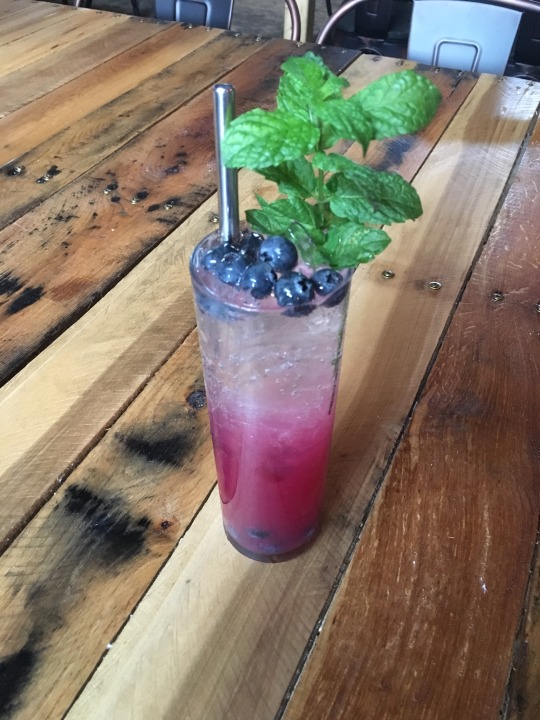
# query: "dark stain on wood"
{"points": [[395, 151], [15, 673], [112, 533], [9, 284], [65, 217], [28, 297], [163, 450]]}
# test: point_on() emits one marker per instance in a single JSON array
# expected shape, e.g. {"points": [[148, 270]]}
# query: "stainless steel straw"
{"points": [[227, 177]]}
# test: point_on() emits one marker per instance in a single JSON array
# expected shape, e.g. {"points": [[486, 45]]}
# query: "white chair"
{"points": [[462, 35], [457, 34]]}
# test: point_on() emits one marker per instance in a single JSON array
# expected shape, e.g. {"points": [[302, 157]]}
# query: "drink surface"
{"points": [[271, 377]]}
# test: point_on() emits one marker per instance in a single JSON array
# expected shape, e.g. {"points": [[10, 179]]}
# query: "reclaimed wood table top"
{"points": [[120, 597]]}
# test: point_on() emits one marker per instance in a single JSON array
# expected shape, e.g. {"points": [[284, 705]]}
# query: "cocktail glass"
{"points": [[271, 376]]}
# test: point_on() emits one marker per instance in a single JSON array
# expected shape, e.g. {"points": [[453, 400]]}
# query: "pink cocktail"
{"points": [[271, 377]]}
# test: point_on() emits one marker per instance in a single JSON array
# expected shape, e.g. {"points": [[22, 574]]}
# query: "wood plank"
{"points": [[523, 695], [68, 30], [249, 623], [33, 81], [523, 698], [52, 412], [11, 7], [78, 148], [424, 623], [81, 227], [34, 17], [120, 515], [35, 123]]}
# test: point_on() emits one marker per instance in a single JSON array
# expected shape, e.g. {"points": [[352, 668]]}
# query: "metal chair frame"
{"points": [[217, 13], [520, 5]]}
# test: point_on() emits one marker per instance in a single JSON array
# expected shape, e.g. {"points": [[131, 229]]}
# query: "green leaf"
{"points": [[260, 139], [277, 217], [307, 80], [363, 195], [293, 178], [343, 120], [349, 244], [399, 103]]}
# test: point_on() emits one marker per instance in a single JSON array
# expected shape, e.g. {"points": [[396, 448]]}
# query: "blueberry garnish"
{"points": [[280, 253], [294, 289], [326, 280], [211, 258], [259, 279], [230, 268], [249, 246]]}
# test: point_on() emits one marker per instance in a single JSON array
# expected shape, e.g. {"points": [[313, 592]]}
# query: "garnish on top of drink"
{"points": [[332, 208], [271, 301]]}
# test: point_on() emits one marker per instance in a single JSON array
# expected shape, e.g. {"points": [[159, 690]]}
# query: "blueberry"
{"points": [[279, 252], [337, 297], [294, 289], [230, 268], [259, 279], [211, 258], [326, 280], [249, 246]]}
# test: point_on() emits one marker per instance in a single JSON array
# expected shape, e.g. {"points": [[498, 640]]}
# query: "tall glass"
{"points": [[271, 376]]}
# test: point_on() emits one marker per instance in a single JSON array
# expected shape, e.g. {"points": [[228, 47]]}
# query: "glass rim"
{"points": [[230, 295]]}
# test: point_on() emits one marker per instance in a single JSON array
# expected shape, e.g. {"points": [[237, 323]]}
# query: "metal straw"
{"points": [[227, 177]]}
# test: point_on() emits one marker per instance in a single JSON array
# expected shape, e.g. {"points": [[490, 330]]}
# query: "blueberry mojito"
{"points": [[271, 303], [270, 331]]}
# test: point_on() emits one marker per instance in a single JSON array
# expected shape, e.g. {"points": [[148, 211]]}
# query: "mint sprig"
{"points": [[332, 207]]}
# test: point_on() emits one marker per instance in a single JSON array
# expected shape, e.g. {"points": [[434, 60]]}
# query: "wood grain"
{"points": [[12, 7], [82, 227], [119, 516], [20, 24], [33, 124], [248, 624], [424, 623], [24, 85], [79, 147], [70, 28]]}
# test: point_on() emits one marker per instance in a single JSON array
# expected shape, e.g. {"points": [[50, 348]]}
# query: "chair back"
{"points": [[214, 13], [462, 35]]}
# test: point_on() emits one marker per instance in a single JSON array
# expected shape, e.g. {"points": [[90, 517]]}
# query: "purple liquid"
{"points": [[271, 474]]}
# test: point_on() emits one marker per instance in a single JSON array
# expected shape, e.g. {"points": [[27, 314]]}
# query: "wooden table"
{"points": [[120, 597]]}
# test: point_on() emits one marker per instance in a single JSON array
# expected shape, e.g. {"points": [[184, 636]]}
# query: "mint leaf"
{"points": [[276, 218], [306, 80], [344, 120], [350, 244], [399, 103], [260, 139], [293, 178], [363, 195]]}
